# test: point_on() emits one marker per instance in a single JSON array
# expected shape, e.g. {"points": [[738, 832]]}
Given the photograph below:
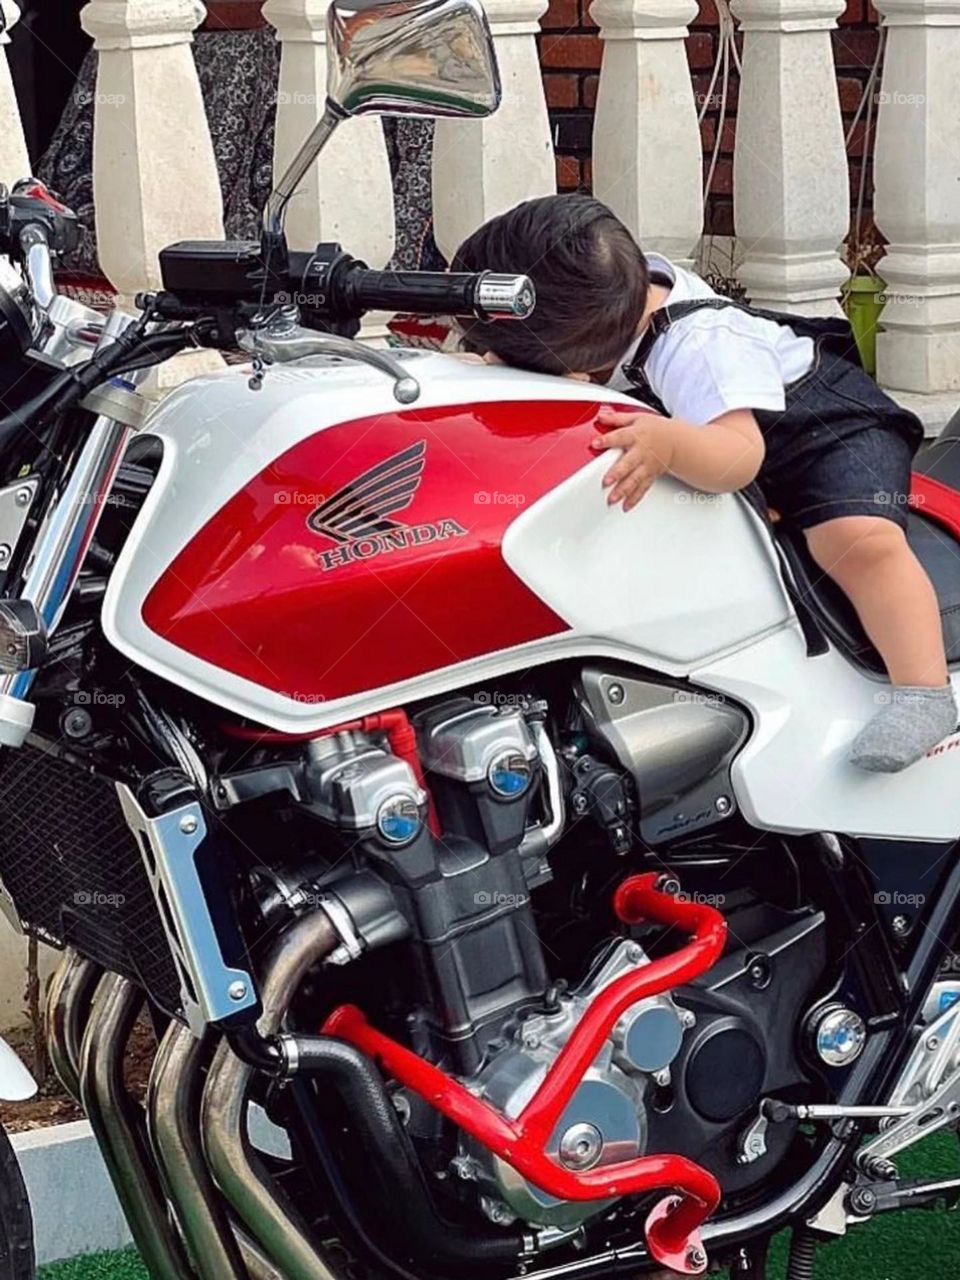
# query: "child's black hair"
{"points": [[591, 280]]}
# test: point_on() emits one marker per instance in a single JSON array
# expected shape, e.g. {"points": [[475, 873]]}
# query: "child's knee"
{"points": [[853, 545]]}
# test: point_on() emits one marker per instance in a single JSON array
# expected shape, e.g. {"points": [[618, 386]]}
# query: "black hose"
{"points": [[803, 1254], [393, 1177], [130, 351]]}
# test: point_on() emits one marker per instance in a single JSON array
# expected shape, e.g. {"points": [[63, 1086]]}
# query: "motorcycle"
{"points": [[487, 864]]}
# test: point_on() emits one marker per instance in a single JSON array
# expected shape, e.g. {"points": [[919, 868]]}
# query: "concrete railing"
{"points": [[791, 192], [156, 180], [155, 177]]}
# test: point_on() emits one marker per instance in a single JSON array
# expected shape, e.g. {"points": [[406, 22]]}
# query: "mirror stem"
{"points": [[273, 214]]}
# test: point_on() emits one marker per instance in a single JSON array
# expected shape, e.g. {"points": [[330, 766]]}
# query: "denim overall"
{"points": [[841, 446]]}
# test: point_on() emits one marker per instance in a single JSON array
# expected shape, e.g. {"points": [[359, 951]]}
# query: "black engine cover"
{"points": [[742, 1048]]}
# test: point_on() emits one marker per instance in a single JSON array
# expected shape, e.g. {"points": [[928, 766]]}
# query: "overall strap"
{"points": [[661, 320]]}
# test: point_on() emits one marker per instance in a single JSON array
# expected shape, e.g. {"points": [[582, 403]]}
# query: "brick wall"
{"points": [[570, 53]]}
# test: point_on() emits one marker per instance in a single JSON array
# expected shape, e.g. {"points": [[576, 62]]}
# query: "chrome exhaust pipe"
{"points": [[118, 1125], [219, 1250], [67, 1013], [265, 1210], [173, 1108]]}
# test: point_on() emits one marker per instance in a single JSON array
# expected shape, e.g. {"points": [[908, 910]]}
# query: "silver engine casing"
{"points": [[605, 1122]]}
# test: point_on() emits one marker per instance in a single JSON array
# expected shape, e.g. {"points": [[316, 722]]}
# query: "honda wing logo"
{"points": [[358, 517]]}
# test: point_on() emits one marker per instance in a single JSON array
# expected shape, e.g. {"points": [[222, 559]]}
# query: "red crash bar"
{"points": [[673, 1226]]}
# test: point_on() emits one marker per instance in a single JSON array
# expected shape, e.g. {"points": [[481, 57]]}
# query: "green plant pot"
{"points": [[863, 302]]}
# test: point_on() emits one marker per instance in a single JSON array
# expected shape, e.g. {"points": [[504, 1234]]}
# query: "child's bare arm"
{"points": [[720, 457]]}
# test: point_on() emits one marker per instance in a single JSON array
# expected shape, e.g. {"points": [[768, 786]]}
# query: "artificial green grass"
{"points": [[125, 1265], [913, 1245]]}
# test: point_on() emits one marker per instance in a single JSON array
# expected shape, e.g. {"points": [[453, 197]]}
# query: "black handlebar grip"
{"points": [[485, 296]]}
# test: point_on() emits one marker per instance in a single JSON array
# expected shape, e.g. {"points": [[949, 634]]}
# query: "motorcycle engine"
{"points": [[605, 1121], [476, 995]]}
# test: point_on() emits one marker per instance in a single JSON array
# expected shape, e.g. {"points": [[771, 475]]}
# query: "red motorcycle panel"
{"points": [[370, 553]]}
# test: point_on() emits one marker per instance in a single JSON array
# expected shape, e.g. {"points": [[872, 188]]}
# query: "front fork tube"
{"points": [[62, 545]]}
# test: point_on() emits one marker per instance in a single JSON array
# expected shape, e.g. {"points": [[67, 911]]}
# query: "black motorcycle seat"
{"points": [[935, 541]]}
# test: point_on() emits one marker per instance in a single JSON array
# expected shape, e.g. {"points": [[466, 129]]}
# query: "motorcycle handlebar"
{"points": [[485, 295]]}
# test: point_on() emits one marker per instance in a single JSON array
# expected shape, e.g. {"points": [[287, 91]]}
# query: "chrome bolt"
{"points": [[23, 497], [77, 723], [900, 925], [580, 803], [933, 1042], [237, 991], [4, 554], [687, 1017], [616, 694], [634, 953], [662, 1078], [581, 1146], [722, 804], [530, 1041], [696, 1257], [188, 825]]}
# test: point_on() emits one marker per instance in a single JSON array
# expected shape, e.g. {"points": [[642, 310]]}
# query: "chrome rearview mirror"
{"points": [[397, 57], [411, 57]]}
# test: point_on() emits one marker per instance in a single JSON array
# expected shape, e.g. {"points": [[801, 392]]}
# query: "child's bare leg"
{"points": [[870, 559]]}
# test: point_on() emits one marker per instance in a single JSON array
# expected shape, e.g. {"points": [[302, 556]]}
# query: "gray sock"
{"points": [[912, 722]]}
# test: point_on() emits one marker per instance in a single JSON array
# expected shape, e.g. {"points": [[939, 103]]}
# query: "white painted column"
{"points": [[647, 157], [791, 202], [14, 161], [348, 194], [155, 178], [484, 167], [917, 196]]}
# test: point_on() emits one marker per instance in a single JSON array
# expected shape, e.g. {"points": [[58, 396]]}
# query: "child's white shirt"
{"points": [[714, 361]]}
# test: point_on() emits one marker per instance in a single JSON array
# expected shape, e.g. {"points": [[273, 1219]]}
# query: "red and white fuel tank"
{"points": [[312, 550]]}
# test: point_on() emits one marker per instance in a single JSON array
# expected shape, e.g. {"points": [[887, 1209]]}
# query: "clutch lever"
{"points": [[297, 344]]}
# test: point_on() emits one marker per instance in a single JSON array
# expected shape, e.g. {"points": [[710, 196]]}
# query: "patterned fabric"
{"points": [[238, 73]]}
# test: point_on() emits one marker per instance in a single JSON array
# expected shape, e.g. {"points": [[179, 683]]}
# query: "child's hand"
{"points": [[645, 439]]}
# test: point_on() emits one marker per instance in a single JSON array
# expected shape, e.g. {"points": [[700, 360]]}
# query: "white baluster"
{"points": [[917, 199], [647, 155], [155, 178], [790, 188], [14, 161], [348, 194], [154, 173], [484, 167]]}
